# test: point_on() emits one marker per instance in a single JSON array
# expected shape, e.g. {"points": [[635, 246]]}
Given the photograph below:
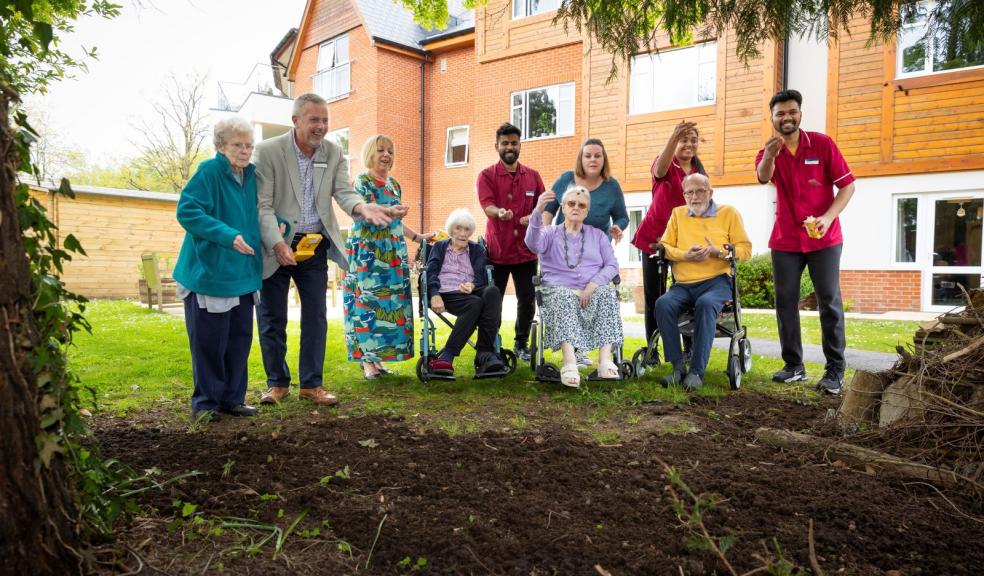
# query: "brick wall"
{"points": [[881, 290]]}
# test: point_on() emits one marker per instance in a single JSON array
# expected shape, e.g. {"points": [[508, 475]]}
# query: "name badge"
{"points": [[811, 161], [321, 165], [530, 193]]}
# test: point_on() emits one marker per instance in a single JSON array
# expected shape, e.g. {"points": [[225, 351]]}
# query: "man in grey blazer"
{"points": [[299, 177]]}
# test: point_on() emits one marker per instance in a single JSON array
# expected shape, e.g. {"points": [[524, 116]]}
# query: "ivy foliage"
{"points": [[30, 60]]}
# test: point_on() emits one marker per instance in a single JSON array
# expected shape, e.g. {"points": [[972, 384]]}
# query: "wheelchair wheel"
{"points": [[627, 369], [734, 368], [639, 363], [422, 373], [745, 354], [533, 345], [509, 359]]}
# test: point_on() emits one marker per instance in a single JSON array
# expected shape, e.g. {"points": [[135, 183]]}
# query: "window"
{"points": [[927, 48], [524, 8], [680, 78], [544, 112], [341, 137], [456, 147], [333, 79], [906, 216], [635, 220]]}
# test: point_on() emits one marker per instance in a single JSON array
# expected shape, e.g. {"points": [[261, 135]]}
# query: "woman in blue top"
{"points": [[219, 271], [592, 171]]}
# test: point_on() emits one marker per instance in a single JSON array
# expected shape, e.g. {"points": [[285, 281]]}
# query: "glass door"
{"points": [[956, 250]]}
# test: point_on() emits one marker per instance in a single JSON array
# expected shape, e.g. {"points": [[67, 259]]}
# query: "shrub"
{"points": [[755, 282]]}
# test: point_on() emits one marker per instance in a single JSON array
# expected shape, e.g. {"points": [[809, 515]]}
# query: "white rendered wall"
{"points": [[868, 222], [807, 72]]}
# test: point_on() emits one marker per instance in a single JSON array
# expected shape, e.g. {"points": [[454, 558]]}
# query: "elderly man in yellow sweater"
{"points": [[694, 241]]}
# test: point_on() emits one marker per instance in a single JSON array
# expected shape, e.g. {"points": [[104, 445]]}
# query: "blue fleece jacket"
{"points": [[213, 209], [435, 262]]}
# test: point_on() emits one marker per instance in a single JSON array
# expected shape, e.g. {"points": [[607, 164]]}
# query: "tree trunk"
{"points": [[37, 535]]}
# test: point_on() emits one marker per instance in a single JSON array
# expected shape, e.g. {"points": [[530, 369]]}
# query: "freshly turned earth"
{"points": [[545, 499]]}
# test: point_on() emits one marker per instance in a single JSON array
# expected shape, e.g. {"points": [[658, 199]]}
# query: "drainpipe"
{"points": [[785, 63], [423, 63]]}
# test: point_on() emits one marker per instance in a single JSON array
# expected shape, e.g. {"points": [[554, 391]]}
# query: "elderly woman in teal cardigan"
{"points": [[219, 271]]}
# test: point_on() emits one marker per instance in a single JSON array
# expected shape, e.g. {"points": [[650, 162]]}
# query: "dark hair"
{"points": [[507, 129], [606, 171], [786, 96], [695, 161]]}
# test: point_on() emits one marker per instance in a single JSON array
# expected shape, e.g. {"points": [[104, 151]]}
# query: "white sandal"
{"points": [[609, 371], [569, 376]]}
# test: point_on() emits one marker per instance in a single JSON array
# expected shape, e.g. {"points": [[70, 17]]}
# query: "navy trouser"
{"points": [[824, 266], [220, 346], [311, 279], [481, 308], [707, 298]]}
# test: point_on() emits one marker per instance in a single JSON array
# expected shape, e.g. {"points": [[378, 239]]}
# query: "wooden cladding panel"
{"points": [[328, 19], [883, 128], [499, 35], [115, 232]]}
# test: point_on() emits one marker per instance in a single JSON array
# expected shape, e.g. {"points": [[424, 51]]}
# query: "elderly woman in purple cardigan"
{"points": [[580, 310]]}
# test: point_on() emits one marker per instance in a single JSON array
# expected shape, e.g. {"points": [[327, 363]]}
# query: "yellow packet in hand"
{"points": [[306, 247], [811, 227]]}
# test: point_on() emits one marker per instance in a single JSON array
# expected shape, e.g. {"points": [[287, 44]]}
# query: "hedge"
{"points": [[755, 282]]}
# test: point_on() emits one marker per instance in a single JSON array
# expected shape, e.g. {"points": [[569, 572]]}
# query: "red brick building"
{"points": [[441, 94]]}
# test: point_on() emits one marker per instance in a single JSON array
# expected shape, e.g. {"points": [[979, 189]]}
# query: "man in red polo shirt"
{"points": [[508, 192], [805, 167]]}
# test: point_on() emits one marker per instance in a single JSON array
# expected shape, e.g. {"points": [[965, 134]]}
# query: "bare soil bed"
{"points": [[546, 499]]}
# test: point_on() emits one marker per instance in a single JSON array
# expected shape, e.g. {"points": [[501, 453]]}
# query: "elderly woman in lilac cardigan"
{"points": [[580, 308]]}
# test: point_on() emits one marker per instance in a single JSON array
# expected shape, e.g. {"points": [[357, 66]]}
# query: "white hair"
{"points": [[460, 217], [576, 190], [229, 127], [303, 99]]}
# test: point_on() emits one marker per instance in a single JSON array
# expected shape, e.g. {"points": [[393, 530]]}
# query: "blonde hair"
{"points": [[369, 150]]}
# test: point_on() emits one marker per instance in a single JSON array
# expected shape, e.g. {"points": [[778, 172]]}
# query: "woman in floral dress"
{"points": [[377, 300]]}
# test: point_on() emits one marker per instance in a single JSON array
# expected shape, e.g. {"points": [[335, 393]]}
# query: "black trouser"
{"points": [[652, 289], [522, 275], [481, 308], [824, 266]]}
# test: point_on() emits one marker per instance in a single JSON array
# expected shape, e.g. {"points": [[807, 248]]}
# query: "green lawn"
{"points": [[874, 335], [138, 359]]}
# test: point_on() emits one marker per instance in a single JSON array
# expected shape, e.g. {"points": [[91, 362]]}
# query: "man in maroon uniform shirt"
{"points": [[508, 192], [805, 167]]}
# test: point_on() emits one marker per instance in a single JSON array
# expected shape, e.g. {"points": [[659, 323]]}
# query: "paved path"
{"points": [[857, 359]]}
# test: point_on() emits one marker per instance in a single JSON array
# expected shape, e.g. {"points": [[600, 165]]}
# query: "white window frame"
{"points": [[333, 81], [447, 146], [527, 8], [921, 28], [645, 74], [920, 209], [565, 97]]}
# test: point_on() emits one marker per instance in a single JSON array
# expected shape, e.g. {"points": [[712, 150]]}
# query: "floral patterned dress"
{"points": [[376, 288]]}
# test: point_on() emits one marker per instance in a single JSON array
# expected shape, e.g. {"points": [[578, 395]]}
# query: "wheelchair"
{"points": [[544, 371], [728, 325], [428, 340]]}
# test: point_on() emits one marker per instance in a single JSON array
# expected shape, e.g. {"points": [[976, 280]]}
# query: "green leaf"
{"points": [[72, 244], [44, 34], [188, 509]]}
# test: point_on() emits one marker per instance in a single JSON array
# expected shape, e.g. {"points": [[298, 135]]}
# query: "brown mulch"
{"points": [[537, 501]]}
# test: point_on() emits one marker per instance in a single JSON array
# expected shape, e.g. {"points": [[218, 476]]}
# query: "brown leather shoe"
{"points": [[319, 396], [274, 395]]}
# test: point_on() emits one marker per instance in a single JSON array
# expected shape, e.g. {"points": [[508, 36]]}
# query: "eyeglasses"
{"points": [[696, 192], [573, 204], [241, 146]]}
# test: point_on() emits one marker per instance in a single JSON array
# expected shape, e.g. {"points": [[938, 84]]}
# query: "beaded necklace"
{"points": [[580, 256]]}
